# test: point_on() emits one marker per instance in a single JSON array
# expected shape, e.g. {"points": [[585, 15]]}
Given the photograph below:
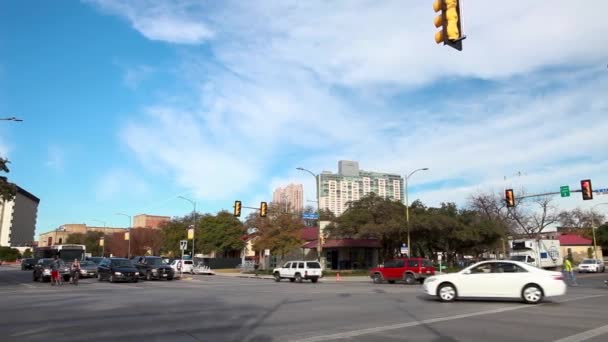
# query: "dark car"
{"points": [[42, 270], [117, 269], [28, 264], [153, 267]]}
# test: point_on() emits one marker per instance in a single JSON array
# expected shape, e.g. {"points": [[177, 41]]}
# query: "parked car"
{"points": [[28, 264], [117, 269], [185, 265], [88, 269], [591, 265], [42, 270], [497, 279], [408, 270], [153, 267], [298, 271]]}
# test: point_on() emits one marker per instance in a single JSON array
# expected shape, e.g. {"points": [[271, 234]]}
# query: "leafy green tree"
{"points": [[601, 236], [221, 233], [7, 190], [75, 238], [172, 233], [27, 253], [279, 231], [9, 254], [89, 239]]}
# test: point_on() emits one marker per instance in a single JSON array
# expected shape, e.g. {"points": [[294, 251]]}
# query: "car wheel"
{"points": [[377, 279], [447, 292], [532, 294], [410, 279], [277, 277], [298, 277]]}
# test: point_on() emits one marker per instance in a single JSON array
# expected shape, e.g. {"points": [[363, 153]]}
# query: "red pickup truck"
{"points": [[408, 270]]}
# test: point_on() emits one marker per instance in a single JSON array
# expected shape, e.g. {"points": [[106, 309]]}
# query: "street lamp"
{"points": [[407, 209], [593, 228], [318, 180], [101, 240], [194, 218], [12, 118], [129, 230]]}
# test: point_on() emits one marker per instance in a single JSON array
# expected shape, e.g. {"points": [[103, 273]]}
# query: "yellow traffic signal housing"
{"points": [[237, 208], [263, 209], [450, 22], [586, 189], [510, 198]]}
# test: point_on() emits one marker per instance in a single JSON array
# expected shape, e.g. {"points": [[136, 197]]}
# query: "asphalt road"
{"points": [[219, 308]]}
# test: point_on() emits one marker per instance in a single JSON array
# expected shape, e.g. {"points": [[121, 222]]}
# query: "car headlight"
{"points": [[117, 273], [154, 270], [83, 271], [136, 273], [46, 271]]}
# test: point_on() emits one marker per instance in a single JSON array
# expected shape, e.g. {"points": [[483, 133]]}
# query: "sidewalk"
{"points": [[326, 279]]}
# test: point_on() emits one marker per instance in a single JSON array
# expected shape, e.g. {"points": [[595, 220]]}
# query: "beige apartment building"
{"points": [[290, 197], [18, 219], [60, 235], [150, 221]]}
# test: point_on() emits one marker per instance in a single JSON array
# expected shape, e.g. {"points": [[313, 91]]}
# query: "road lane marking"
{"points": [[359, 332], [29, 286], [585, 335]]}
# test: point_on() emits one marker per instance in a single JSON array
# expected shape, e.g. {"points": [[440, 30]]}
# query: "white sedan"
{"points": [[591, 265], [497, 279]]}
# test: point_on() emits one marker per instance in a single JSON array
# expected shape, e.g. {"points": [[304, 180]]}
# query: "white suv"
{"points": [[298, 271], [185, 266]]}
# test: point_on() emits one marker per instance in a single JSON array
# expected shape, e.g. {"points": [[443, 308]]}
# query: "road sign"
{"points": [[267, 252], [564, 191], [310, 216], [404, 249], [183, 244], [601, 191]]}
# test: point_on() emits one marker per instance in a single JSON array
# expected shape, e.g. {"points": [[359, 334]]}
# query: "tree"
{"points": [[532, 217], [219, 233], [8, 190], [116, 245], [27, 253], [146, 241], [279, 231], [9, 254], [601, 236], [578, 218], [172, 232]]}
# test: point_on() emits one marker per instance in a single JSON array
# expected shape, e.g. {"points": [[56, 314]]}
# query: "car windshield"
{"points": [[588, 261], [154, 261], [519, 258], [122, 263]]}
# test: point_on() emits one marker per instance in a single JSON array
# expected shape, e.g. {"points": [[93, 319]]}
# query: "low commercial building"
{"points": [[60, 235], [578, 248], [150, 221]]}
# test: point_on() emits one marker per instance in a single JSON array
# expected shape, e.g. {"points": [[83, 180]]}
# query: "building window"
{"points": [[60, 240]]}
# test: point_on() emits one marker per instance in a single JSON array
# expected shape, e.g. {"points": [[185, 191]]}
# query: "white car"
{"points": [[591, 265], [497, 279], [184, 266], [298, 271]]}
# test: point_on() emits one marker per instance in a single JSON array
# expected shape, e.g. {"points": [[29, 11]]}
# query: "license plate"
{"points": [[164, 275]]}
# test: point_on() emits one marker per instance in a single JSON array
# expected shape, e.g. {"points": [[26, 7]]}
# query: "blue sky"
{"points": [[128, 104]]}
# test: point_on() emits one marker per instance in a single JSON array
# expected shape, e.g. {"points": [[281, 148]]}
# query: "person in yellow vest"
{"points": [[569, 272]]}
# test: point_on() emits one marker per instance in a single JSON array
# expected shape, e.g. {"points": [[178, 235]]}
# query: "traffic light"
{"points": [[237, 208], [450, 22], [510, 198], [263, 209], [586, 189]]}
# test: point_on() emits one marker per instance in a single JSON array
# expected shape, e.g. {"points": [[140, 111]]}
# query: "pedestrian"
{"points": [[55, 278], [74, 270], [569, 272]]}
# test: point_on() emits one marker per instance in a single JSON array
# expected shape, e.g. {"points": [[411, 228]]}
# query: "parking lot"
{"points": [[222, 308]]}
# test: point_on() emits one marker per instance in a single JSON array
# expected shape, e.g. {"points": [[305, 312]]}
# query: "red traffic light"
{"points": [[586, 189], [510, 198]]}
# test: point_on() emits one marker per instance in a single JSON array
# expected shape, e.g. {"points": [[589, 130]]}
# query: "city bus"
{"points": [[65, 252]]}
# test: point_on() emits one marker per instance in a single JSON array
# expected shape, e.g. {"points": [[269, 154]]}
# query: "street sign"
{"points": [[183, 244], [564, 191], [601, 191], [310, 216], [404, 249], [267, 252]]}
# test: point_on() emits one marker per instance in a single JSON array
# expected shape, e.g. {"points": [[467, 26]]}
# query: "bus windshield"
{"points": [[71, 254]]}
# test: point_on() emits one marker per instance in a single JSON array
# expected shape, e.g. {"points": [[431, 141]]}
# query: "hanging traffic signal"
{"points": [[509, 198], [450, 22], [263, 209], [237, 208], [586, 189]]}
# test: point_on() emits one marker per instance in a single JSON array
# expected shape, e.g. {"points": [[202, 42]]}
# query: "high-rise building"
{"points": [[351, 184], [290, 197], [18, 219]]}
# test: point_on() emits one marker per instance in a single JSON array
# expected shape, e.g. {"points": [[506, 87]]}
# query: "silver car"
{"points": [[591, 265]]}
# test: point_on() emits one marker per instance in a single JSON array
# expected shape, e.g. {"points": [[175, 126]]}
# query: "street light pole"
{"points": [[12, 118], [194, 219], [593, 229], [129, 230], [318, 182], [407, 209], [103, 246]]}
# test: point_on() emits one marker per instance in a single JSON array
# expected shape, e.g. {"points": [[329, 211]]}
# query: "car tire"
{"points": [[447, 292], [298, 278], [532, 294], [410, 279], [277, 277], [377, 279]]}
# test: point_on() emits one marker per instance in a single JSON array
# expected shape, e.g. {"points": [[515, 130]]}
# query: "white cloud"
{"points": [[309, 83], [134, 75], [55, 157]]}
